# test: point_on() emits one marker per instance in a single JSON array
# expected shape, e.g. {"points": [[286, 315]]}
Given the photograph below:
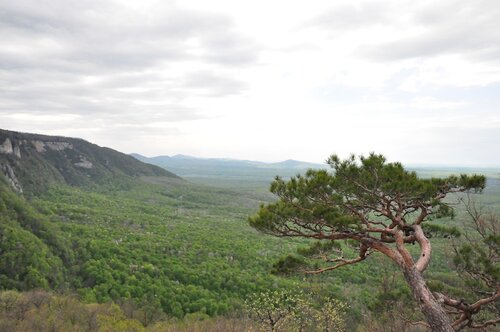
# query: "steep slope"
{"points": [[32, 252], [33, 162]]}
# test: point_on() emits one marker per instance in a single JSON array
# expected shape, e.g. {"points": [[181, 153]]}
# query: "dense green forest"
{"points": [[175, 249], [135, 247]]}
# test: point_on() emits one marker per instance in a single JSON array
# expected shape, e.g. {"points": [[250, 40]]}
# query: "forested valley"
{"points": [[134, 248]]}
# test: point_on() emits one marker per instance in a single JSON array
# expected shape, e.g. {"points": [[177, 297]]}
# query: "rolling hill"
{"points": [[229, 173]]}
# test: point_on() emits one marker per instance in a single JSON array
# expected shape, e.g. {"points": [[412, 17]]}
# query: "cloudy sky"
{"points": [[418, 81]]}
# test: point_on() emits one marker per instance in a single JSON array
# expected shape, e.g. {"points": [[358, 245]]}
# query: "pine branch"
{"points": [[364, 253]]}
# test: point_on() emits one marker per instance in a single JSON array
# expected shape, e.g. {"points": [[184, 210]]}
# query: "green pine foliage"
{"points": [[316, 201]]}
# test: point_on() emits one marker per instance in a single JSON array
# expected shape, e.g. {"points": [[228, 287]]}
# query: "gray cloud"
{"points": [[112, 37], [101, 59], [444, 27], [451, 27], [208, 83], [353, 16], [238, 51]]}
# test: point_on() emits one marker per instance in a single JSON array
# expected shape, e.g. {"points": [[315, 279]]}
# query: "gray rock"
{"points": [[39, 146], [59, 146], [6, 147], [84, 163], [17, 151], [11, 177]]}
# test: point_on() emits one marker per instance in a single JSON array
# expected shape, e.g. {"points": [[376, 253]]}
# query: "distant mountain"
{"points": [[31, 162], [227, 169], [185, 161], [290, 163]]}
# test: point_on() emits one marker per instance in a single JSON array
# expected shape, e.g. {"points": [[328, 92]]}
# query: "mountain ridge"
{"points": [[289, 163], [32, 162]]}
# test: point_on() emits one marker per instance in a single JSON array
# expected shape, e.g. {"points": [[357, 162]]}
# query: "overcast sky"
{"points": [[418, 81]]}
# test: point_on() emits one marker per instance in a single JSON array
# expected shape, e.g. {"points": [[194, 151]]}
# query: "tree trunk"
{"points": [[434, 314]]}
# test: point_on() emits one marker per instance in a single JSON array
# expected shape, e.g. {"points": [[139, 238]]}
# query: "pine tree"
{"points": [[379, 206]]}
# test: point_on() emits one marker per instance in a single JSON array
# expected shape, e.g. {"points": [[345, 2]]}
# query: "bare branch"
{"points": [[419, 323], [343, 262], [467, 311], [492, 322]]}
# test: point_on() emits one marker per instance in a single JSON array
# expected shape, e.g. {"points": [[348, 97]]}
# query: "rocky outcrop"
{"points": [[39, 146], [9, 174], [59, 146], [32, 163], [17, 151], [84, 163], [6, 147]]}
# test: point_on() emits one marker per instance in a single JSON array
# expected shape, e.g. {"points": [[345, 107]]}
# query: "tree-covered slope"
{"points": [[32, 250], [31, 162]]}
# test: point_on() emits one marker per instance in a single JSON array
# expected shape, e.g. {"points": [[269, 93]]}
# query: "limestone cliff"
{"points": [[32, 162]]}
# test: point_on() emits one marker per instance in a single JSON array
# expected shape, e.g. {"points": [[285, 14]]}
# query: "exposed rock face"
{"points": [[32, 163], [59, 146], [17, 151], [11, 177], [84, 163], [6, 147], [39, 146], [9, 148]]}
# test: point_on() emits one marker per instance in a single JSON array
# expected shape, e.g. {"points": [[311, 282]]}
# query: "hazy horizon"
{"points": [[416, 81], [437, 166], [270, 161]]}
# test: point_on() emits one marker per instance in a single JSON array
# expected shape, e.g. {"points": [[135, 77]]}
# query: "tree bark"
{"points": [[434, 313]]}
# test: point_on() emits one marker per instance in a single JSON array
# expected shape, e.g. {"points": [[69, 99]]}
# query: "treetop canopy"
{"points": [[365, 194]]}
